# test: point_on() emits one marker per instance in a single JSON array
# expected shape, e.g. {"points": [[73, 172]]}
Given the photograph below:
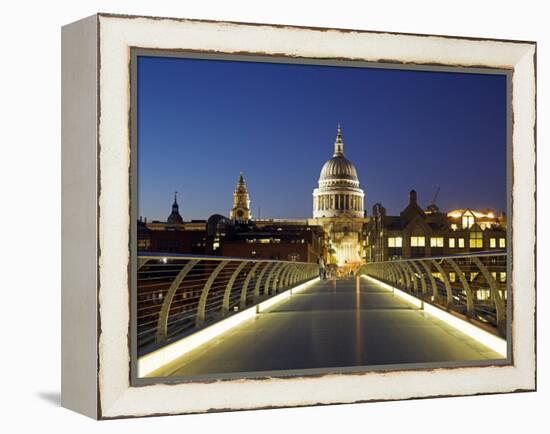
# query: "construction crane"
{"points": [[435, 195], [433, 208]]}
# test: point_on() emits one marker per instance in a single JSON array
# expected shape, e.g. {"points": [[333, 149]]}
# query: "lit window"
{"points": [[436, 242], [503, 276], [494, 274], [454, 227], [461, 243], [452, 276], [467, 221], [144, 244], [452, 242], [294, 257], [492, 243], [473, 275], [395, 242], [418, 241], [476, 240], [483, 294], [502, 243]]}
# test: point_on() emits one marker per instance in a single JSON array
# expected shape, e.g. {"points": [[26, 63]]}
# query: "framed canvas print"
{"points": [[259, 216]]}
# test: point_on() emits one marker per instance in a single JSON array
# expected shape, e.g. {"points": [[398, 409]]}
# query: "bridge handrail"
{"points": [[458, 255], [156, 255], [180, 294], [453, 282]]}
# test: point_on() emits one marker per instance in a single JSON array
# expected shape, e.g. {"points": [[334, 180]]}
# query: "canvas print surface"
{"points": [[296, 218]]}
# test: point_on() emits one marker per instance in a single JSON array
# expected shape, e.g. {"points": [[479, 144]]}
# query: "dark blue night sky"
{"points": [[200, 122]]}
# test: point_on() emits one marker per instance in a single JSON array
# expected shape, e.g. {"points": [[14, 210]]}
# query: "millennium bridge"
{"points": [[202, 315]]}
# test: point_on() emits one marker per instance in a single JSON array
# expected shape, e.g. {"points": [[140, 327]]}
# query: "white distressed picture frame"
{"points": [[97, 202]]}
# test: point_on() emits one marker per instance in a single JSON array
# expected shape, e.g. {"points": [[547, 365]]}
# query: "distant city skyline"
{"points": [[202, 122]]}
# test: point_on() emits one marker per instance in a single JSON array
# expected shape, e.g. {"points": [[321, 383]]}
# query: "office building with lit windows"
{"points": [[417, 232]]}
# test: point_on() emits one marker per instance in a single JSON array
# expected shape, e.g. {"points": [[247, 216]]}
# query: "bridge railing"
{"points": [[472, 286], [180, 294]]}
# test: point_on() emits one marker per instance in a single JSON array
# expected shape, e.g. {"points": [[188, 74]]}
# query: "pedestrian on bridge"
{"points": [[322, 270]]}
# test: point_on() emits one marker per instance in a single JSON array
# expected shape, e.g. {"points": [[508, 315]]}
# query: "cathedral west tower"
{"points": [[241, 202]]}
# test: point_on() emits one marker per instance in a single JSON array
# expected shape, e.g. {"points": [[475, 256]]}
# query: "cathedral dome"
{"points": [[338, 168], [339, 192]]}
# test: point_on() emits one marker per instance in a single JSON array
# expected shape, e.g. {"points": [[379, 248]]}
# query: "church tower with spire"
{"points": [[241, 202], [175, 217]]}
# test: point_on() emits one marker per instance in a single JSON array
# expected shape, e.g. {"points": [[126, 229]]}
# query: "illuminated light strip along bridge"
{"points": [[251, 315], [471, 285]]}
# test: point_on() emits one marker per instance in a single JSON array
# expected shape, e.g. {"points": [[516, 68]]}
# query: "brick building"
{"points": [[418, 233], [172, 236], [291, 240]]}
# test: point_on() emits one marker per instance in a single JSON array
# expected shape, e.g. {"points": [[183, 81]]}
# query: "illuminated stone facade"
{"points": [[338, 207], [241, 202]]}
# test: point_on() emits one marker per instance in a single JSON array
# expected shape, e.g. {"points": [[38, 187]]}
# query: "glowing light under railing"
{"points": [[163, 356], [495, 343], [304, 285], [273, 301], [491, 341], [409, 298], [285, 295], [379, 282]]}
